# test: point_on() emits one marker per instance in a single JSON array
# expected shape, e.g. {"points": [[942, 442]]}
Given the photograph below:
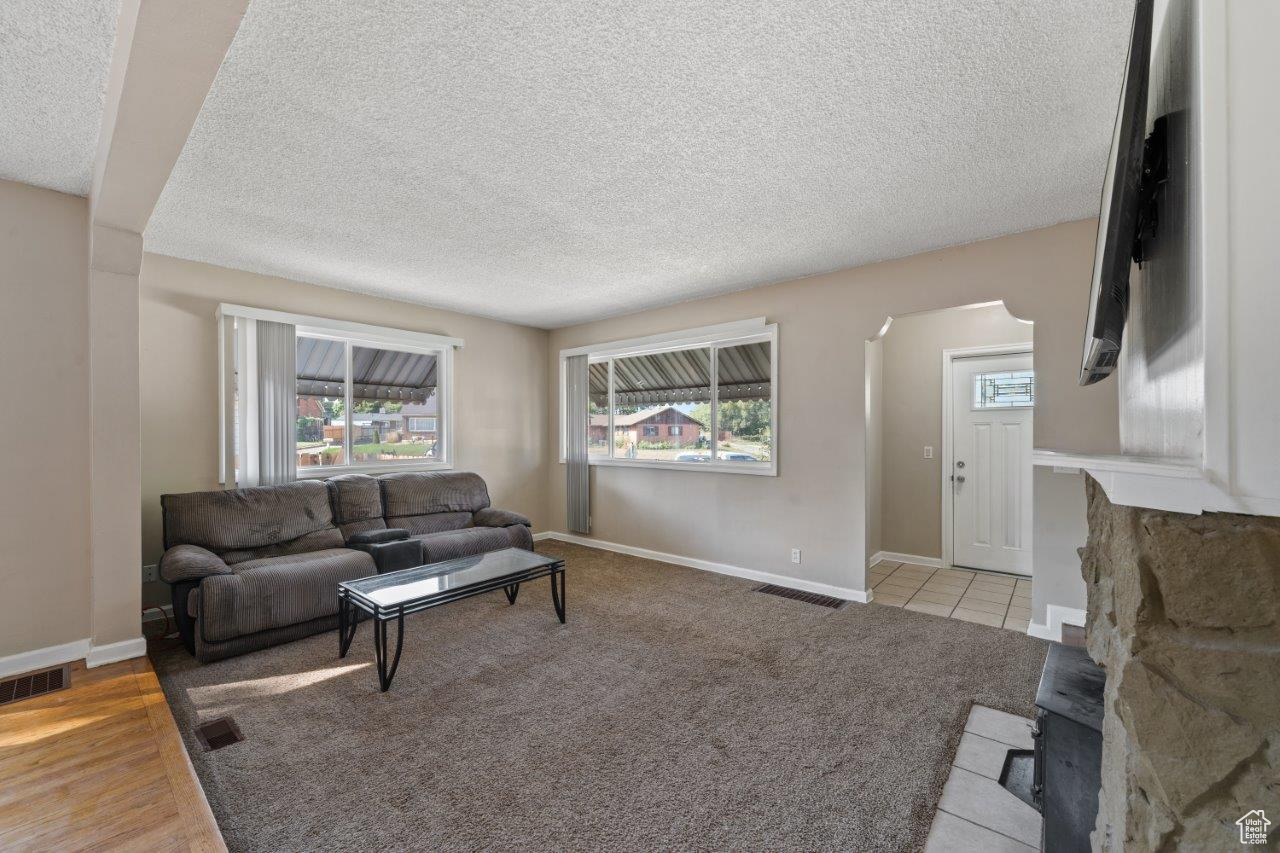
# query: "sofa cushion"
{"points": [[452, 544], [320, 540], [244, 519], [419, 493], [357, 503], [436, 522], [277, 591]]}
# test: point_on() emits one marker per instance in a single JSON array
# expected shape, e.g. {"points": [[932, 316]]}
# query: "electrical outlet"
{"points": [[150, 574], [795, 555], [928, 453]]}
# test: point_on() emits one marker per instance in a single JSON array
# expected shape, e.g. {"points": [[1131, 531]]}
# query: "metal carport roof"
{"points": [[377, 374], [685, 375]]}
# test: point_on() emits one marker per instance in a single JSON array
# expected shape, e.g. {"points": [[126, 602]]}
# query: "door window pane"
{"points": [[652, 394], [744, 410], [321, 421], [1004, 390], [395, 406]]}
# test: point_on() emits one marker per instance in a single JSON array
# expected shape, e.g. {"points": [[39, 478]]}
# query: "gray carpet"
{"points": [[678, 709]]}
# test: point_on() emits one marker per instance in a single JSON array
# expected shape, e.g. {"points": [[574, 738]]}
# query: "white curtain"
{"points": [[575, 451], [277, 374]]}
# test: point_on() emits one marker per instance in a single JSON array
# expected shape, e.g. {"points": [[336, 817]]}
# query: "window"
{"points": [[365, 409], [1004, 390], [598, 411], [650, 392], [321, 428], [697, 400], [368, 398], [744, 405]]}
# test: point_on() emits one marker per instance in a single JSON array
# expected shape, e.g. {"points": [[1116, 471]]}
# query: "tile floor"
{"points": [[987, 598], [975, 813]]}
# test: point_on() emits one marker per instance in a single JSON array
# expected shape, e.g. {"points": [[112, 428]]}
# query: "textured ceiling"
{"points": [[555, 162], [54, 56]]}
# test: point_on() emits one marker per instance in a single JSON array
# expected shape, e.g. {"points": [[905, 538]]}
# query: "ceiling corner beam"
{"points": [[165, 58]]}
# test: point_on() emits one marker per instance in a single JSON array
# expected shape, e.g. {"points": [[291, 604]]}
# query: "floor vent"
{"points": [[34, 684], [218, 733], [800, 595]]}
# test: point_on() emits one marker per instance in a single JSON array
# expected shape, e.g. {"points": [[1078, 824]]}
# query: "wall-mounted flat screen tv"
{"points": [[1119, 217]]}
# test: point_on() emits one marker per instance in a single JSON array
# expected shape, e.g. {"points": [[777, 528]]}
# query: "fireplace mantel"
{"points": [[1138, 481]]}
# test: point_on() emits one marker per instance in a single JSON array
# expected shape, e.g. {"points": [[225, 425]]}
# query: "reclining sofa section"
{"points": [[250, 568]]}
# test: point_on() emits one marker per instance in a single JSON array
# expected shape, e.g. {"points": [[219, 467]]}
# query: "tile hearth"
{"points": [[975, 813]]}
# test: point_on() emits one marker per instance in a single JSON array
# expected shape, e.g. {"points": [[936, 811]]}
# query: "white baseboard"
{"points": [[844, 593], [897, 557], [112, 652], [43, 658], [1057, 616], [67, 652]]}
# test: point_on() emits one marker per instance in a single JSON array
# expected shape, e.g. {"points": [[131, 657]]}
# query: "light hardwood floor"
{"points": [[100, 766]]}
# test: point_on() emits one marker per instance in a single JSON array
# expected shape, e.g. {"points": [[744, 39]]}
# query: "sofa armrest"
{"points": [[490, 517], [374, 537], [190, 563], [392, 556]]}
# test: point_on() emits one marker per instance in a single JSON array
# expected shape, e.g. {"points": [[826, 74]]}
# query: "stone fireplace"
{"points": [[1184, 614]]}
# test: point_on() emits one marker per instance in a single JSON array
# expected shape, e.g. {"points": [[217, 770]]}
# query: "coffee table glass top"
{"points": [[422, 582]]}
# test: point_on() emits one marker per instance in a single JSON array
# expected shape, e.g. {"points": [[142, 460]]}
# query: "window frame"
{"points": [[713, 338], [351, 335]]}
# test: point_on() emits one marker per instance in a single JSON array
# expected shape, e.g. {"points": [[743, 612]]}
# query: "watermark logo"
{"points": [[1253, 827]]}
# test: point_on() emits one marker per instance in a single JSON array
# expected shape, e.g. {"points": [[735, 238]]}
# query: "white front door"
{"points": [[991, 409]]}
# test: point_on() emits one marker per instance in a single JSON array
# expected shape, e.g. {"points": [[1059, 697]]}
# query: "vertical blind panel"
{"points": [[578, 486], [277, 402]]}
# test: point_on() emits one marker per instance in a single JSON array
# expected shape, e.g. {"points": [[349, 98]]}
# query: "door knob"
{"points": [[960, 478], [960, 464]]}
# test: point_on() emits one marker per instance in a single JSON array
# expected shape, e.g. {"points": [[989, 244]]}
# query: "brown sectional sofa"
{"points": [[250, 568]]}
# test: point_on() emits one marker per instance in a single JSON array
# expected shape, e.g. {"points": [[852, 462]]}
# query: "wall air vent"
{"points": [[34, 684], [800, 595]]}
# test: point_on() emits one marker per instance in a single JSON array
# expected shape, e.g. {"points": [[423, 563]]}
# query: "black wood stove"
{"points": [[1061, 776]]}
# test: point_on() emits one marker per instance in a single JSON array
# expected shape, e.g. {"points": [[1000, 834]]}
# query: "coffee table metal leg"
{"points": [[557, 593], [382, 652], [342, 626], [348, 620], [512, 591]]}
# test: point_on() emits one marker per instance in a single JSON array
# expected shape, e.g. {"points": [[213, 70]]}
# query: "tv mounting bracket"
{"points": [[1155, 171]]}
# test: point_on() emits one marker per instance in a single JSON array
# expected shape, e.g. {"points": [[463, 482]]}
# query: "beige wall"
{"points": [[874, 443], [499, 383], [911, 488], [44, 505], [1060, 529], [816, 503]]}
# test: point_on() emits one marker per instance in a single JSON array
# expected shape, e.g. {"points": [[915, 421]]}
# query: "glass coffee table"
{"points": [[395, 595]]}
